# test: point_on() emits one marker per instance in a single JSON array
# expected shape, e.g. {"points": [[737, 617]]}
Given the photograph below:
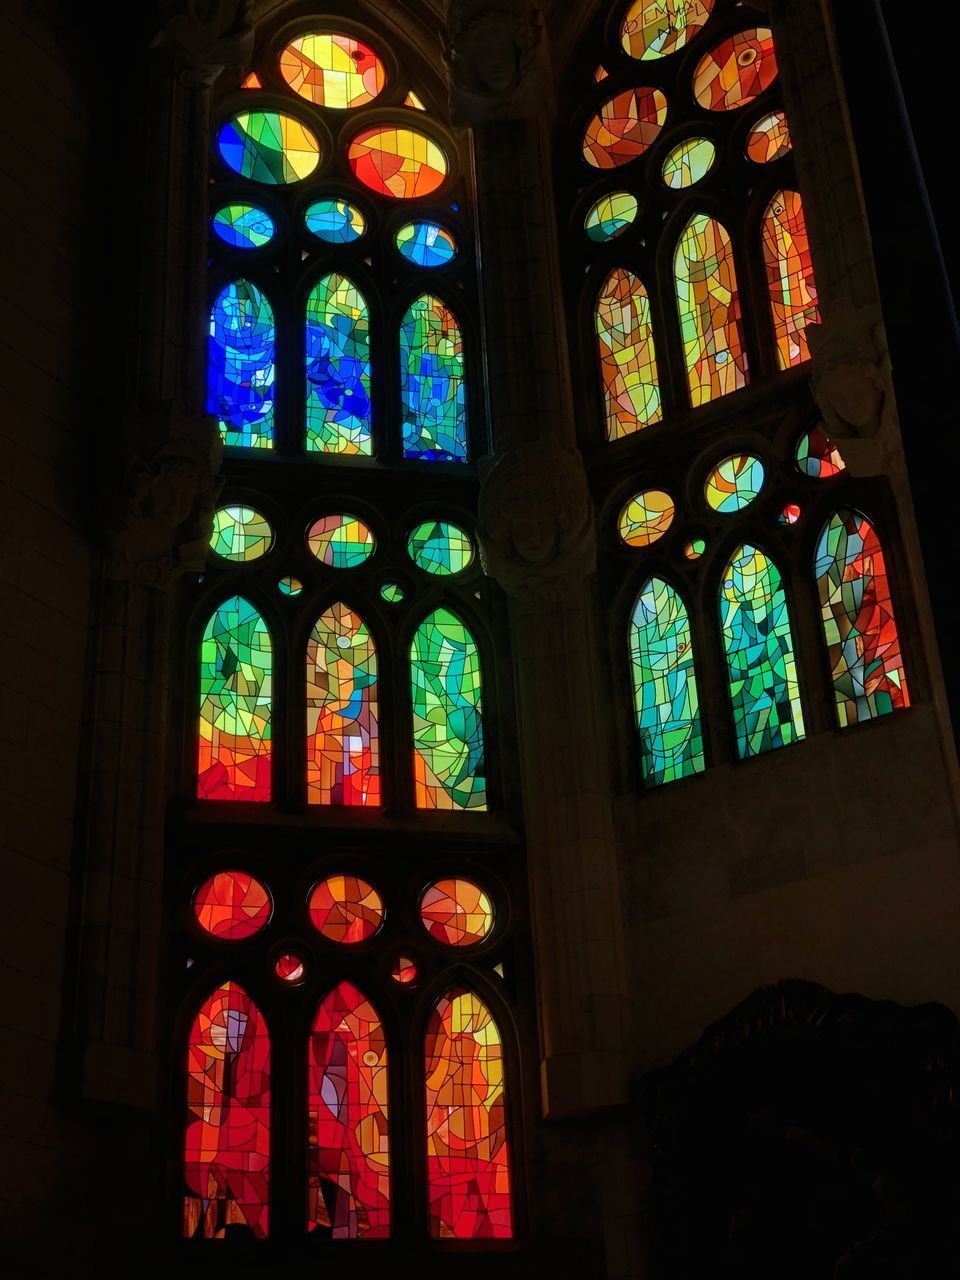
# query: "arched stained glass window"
{"points": [[338, 368], [447, 715], [343, 748], [241, 365], [236, 666], [764, 690], [665, 686], [709, 306], [858, 622], [432, 383], [348, 1134], [628, 362], [227, 1143], [789, 264], [468, 1161]]}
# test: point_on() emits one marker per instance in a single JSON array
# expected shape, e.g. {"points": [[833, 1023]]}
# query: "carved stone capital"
{"points": [[157, 515], [537, 531], [204, 37], [496, 56]]}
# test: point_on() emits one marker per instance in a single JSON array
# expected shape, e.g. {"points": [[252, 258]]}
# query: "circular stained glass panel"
{"points": [[341, 541], [646, 518], [624, 128], [289, 968], [426, 244], [456, 912], [689, 162], [396, 161], [818, 456], [440, 548], [269, 147], [346, 909], [404, 971], [243, 226], [769, 139], [290, 586], [737, 71], [695, 548], [332, 70], [335, 221], [232, 905], [734, 484], [657, 28], [610, 216], [240, 534], [790, 513], [392, 592]]}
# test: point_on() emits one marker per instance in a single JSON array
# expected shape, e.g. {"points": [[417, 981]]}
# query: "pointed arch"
{"points": [[338, 368], [227, 1138], [665, 693], [236, 672], [446, 688], [789, 267], [764, 690], [858, 621], [348, 1134], [468, 1158], [343, 742], [241, 369], [433, 390], [628, 360], [708, 301]]}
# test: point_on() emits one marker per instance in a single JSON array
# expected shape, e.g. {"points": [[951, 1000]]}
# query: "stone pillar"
{"points": [[158, 491], [538, 536]]}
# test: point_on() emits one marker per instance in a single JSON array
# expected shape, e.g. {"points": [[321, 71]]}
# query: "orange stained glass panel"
{"points": [[456, 912], [397, 161], [346, 909], [624, 128], [232, 905], [628, 359], [333, 70], [708, 300], [789, 265], [737, 71]]}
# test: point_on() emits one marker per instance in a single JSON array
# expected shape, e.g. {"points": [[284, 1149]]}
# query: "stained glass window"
{"points": [[349, 1142], [737, 71], [709, 305], [610, 216], [789, 264], [241, 365], [688, 162], [665, 686], [432, 387], [338, 368], [625, 128], [628, 361], [646, 518], [232, 905], [468, 1163], [333, 70], [236, 666], [447, 715], [343, 749], [764, 690], [657, 28], [858, 622], [269, 147], [399, 162]]}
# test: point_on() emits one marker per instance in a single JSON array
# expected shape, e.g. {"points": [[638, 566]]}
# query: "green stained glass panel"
{"points": [[241, 534], [440, 548], [338, 369], [341, 541]]}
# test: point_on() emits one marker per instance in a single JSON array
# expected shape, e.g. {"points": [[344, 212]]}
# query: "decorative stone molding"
{"points": [[537, 530], [205, 37], [496, 55]]}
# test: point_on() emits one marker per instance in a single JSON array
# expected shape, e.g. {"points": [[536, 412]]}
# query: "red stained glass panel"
{"points": [[232, 906], [737, 71], [624, 128], [456, 912], [346, 909], [789, 265]]}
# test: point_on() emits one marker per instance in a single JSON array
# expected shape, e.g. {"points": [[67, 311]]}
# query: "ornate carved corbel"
{"points": [[204, 37], [537, 531], [496, 56]]}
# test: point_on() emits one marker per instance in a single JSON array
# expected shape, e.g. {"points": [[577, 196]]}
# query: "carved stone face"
{"points": [[490, 48]]}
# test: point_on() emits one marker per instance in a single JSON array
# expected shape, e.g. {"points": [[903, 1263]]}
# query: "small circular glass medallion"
{"points": [[289, 586], [243, 226], [456, 912], [790, 513], [440, 548], [610, 216], [289, 968], [392, 592], [426, 244], [240, 534], [646, 518], [341, 541], [734, 483], [695, 548], [232, 905], [404, 971], [346, 909], [335, 221]]}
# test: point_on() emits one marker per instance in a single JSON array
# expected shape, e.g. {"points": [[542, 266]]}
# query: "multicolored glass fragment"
{"points": [[440, 548], [737, 71], [789, 264], [348, 1135], [332, 70], [646, 518], [769, 139], [399, 162], [338, 368], [688, 162], [227, 1139], [236, 666], [343, 749], [269, 147], [734, 483], [764, 691], [341, 541], [290, 586], [240, 534], [628, 359], [665, 686], [695, 548], [610, 216], [232, 906], [657, 28], [709, 306], [625, 127], [241, 366], [392, 592], [243, 226], [448, 756], [456, 912], [432, 388], [346, 909], [858, 621], [817, 455], [404, 971], [426, 244], [290, 968], [468, 1162], [335, 221]]}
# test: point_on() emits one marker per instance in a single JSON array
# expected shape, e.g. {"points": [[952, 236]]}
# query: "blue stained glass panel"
{"points": [[336, 221], [338, 369], [426, 244], [241, 365]]}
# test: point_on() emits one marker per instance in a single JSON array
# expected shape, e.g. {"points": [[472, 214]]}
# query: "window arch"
{"points": [[708, 301], [338, 368], [242, 365], [628, 360], [433, 389], [789, 265]]}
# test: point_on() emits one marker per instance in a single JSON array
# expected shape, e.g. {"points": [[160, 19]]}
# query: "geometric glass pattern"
{"points": [[290, 968], [694, 549], [793, 292], [628, 361], [396, 161], [817, 455], [345, 909], [334, 220], [236, 662], [433, 392], [347, 1105], [447, 708], [688, 162], [657, 28], [333, 71], [232, 906], [241, 365], [338, 368], [456, 912], [227, 1141], [734, 484], [769, 139], [646, 518], [665, 686], [440, 548], [736, 72], [268, 147], [343, 753], [468, 1165], [610, 216], [858, 622], [709, 305], [341, 541], [240, 534], [764, 691], [426, 244], [243, 226], [624, 128]]}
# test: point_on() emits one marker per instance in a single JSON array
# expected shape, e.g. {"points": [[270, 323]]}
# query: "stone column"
{"points": [[158, 491], [538, 535]]}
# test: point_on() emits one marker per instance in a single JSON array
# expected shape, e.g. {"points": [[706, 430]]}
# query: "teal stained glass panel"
{"points": [[338, 369]]}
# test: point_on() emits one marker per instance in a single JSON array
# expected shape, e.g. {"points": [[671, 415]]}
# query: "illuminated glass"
{"points": [[769, 139], [346, 909], [240, 365], [332, 70], [335, 221], [789, 265], [343, 753], [737, 71], [626, 126], [396, 161], [432, 388], [338, 368], [440, 548], [231, 906], [657, 28], [709, 305], [734, 484], [341, 541], [240, 534], [243, 226], [688, 162], [628, 360], [646, 518], [426, 244], [269, 147], [456, 912], [610, 216], [817, 455]]}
